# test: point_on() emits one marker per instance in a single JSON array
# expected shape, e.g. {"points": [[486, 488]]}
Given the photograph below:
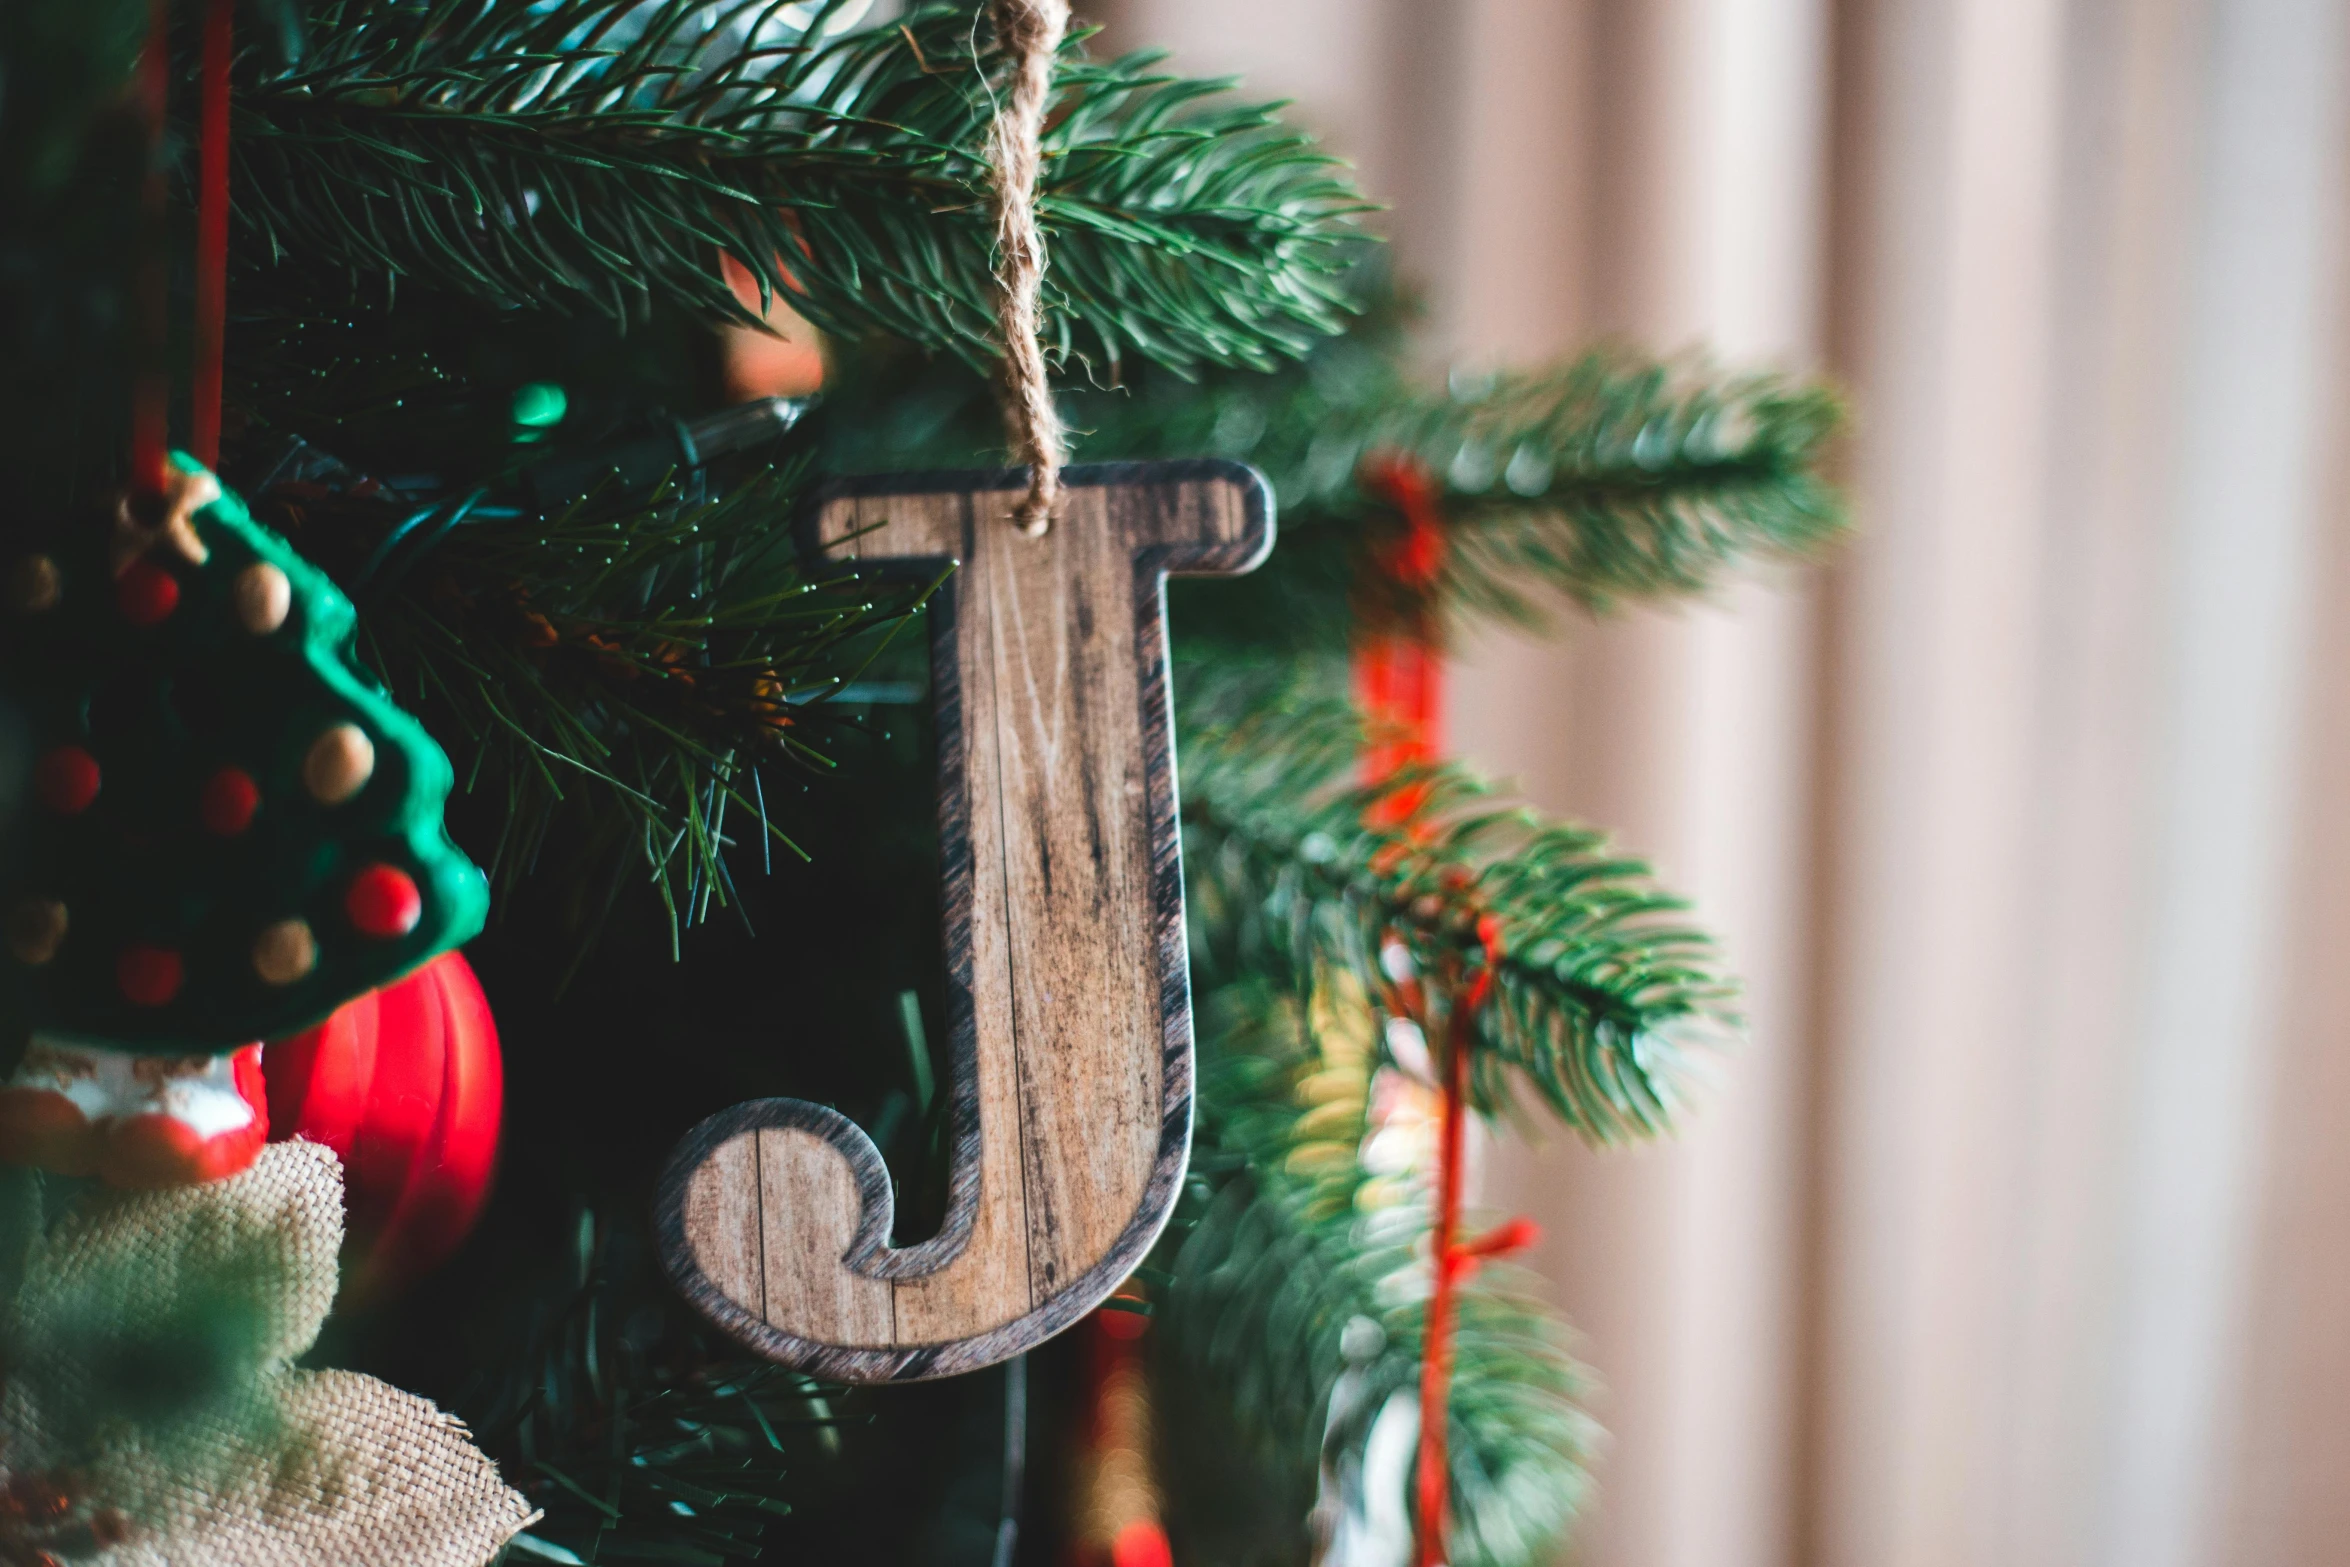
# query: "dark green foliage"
{"points": [[626, 672], [1289, 1241], [592, 155], [639, 1445], [506, 161], [644, 1437], [72, 154], [1611, 477], [1604, 478], [427, 384], [1313, 902], [65, 63], [1600, 992], [645, 659]]}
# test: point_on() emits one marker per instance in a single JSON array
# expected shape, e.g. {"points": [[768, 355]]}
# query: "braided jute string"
{"points": [[1030, 31]]}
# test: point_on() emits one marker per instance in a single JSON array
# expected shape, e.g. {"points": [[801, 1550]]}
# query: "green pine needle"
{"points": [[636, 1447], [1606, 478], [1611, 478], [1290, 1241], [637, 665], [1603, 1000], [590, 155]]}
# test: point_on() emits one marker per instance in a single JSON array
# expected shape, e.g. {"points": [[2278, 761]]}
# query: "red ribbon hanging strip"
{"points": [[212, 233], [150, 286], [151, 377], [1399, 687], [1453, 1258], [1398, 673]]}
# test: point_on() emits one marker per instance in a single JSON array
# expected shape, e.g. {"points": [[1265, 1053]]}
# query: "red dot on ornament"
{"points": [[146, 593], [228, 802], [383, 901], [147, 976], [68, 780]]}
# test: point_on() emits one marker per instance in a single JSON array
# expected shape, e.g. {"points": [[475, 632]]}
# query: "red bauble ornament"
{"points": [[404, 1084]]}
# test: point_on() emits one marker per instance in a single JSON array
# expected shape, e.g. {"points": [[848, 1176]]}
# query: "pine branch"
{"points": [[1605, 478], [1601, 1000], [643, 1446], [1611, 478], [642, 662], [1298, 1241], [589, 155]]}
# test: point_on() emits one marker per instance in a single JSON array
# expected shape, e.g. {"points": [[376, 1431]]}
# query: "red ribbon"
{"points": [[1454, 1260], [151, 383], [1398, 674], [1399, 686], [151, 300], [212, 233]]}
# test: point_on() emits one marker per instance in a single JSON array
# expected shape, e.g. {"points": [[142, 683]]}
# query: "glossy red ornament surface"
{"points": [[406, 1086]]}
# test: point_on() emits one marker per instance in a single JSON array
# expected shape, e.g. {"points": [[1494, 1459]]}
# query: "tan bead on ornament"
{"points": [[339, 763], [36, 929], [285, 952], [264, 597], [35, 585]]}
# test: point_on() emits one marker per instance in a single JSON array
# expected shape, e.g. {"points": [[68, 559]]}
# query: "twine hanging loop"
{"points": [[1030, 31]]}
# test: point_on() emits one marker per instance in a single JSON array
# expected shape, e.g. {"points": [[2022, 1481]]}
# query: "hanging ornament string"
{"points": [[211, 233], [151, 382], [1030, 31], [1399, 686], [150, 287], [1454, 1260]]}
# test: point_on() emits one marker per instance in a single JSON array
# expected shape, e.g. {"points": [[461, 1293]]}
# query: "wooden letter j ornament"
{"points": [[1069, 995]]}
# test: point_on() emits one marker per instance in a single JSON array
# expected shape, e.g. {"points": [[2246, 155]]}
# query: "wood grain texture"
{"points": [[1068, 990]]}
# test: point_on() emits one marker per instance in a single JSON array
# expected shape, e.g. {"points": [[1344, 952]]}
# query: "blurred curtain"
{"points": [[2020, 1235]]}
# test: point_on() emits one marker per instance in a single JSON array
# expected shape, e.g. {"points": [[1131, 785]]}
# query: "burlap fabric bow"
{"points": [[151, 1416]]}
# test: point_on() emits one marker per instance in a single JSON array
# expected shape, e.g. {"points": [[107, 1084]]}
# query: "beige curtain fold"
{"points": [[2017, 1236]]}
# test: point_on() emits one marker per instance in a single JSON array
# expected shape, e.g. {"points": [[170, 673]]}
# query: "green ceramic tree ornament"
{"points": [[214, 826]]}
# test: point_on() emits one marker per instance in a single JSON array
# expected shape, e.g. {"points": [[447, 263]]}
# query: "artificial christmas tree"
{"points": [[694, 757]]}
